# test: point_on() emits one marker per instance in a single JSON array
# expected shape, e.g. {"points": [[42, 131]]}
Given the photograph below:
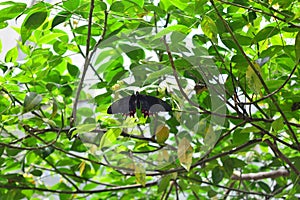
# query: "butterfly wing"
{"points": [[126, 105], [147, 104], [150, 104]]}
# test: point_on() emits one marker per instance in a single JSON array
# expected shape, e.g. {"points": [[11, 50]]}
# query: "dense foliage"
{"points": [[227, 68]]}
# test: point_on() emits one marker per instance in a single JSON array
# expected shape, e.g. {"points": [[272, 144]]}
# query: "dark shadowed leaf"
{"points": [[32, 22], [217, 175]]}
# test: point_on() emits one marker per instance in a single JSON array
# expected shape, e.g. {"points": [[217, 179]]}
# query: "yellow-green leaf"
{"points": [[109, 137], [209, 28], [46, 39], [185, 153], [81, 167], [252, 79], [12, 55], [140, 174], [162, 134]]}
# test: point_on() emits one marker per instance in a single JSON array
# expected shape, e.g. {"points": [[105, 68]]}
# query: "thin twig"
{"points": [[88, 58], [224, 187], [176, 75], [110, 189], [86, 65], [282, 157]]}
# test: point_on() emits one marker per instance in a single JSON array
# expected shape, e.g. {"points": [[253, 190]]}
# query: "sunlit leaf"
{"points": [[81, 167], [109, 137], [12, 55], [11, 10], [49, 38], [209, 28]]}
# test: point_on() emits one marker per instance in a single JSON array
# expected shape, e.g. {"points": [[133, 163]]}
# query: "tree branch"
{"points": [[117, 188], [261, 175]]}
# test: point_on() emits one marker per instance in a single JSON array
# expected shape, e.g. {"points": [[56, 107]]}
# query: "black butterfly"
{"points": [[147, 104]]}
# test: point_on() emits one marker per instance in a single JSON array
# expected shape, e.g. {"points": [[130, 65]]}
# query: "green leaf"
{"points": [[66, 90], [181, 4], [12, 10], [12, 55], [73, 70], [240, 137], [209, 28], [264, 186], [31, 101], [60, 18], [71, 5], [274, 84], [84, 128], [252, 79], [46, 39], [209, 139], [228, 165], [217, 175], [78, 146], [95, 31], [169, 29], [31, 23], [265, 33], [60, 47], [45, 152], [85, 111], [36, 172], [109, 137], [278, 124], [163, 183]]}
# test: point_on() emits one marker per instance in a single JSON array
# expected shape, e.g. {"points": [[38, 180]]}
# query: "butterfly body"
{"points": [[147, 104]]}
